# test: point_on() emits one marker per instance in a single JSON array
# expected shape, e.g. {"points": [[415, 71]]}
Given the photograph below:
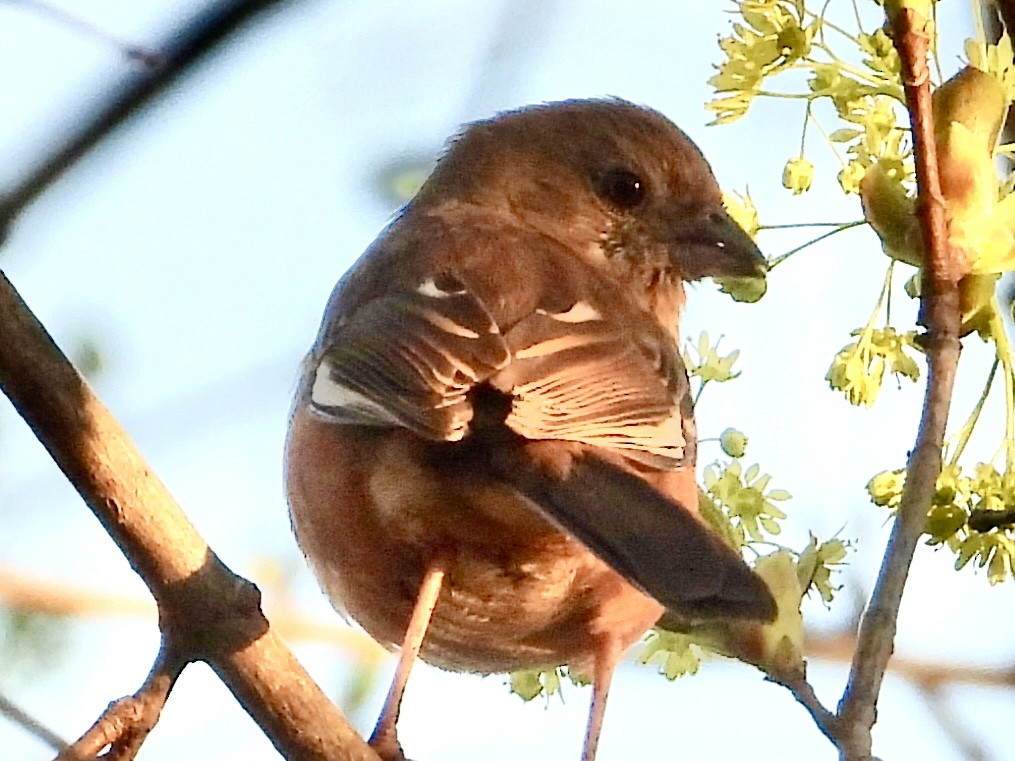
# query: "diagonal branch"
{"points": [[17, 715], [940, 316], [182, 49], [206, 612]]}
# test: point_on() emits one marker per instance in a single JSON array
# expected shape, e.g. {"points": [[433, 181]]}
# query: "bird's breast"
{"points": [[371, 510]]}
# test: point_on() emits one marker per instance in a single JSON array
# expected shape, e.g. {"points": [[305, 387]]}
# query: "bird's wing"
{"points": [[578, 376], [410, 358]]}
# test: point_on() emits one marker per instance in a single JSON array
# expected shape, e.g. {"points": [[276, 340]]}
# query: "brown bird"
{"points": [[491, 454]]}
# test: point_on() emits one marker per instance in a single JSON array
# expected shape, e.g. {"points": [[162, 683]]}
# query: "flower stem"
{"points": [[967, 428], [783, 257]]}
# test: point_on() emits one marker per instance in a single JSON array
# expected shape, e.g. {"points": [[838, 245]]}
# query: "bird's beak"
{"points": [[706, 242]]}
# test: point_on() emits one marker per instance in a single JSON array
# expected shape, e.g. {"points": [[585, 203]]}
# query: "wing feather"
{"points": [[410, 358], [599, 383]]}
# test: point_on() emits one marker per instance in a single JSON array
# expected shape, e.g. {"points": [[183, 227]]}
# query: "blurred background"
{"points": [[185, 261]]}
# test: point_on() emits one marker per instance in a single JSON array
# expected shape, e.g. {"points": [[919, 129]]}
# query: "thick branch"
{"points": [[940, 315], [206, 611], [183, 48]]}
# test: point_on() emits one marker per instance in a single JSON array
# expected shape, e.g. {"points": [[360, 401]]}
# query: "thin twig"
{"points": [[805, 695], [205, 610], [30, 724], [125, 724], [940, 315], [83, 26]]}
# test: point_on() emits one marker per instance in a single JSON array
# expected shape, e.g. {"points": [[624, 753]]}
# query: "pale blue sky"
{"points": [[199, 246]]}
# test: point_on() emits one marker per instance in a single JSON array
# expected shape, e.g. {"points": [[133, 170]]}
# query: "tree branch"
{"points": [[206, 612], [30, 724], [33, 595], [124, 726], [803, 692], [182, 49], [940, 316]]}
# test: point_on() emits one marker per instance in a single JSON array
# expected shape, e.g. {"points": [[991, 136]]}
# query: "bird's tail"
{"points": [[652, 541]]}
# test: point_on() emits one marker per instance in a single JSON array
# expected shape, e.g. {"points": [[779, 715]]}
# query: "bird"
{"points": [[490, 455]]}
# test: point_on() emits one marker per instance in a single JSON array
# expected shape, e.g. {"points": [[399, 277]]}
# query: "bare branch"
{"points": [[84, 27], [124, 726], [206, 611], [940, 315], [805, 695]]}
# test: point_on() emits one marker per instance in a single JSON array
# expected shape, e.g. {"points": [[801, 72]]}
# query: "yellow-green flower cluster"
{"points": [[748, 509], [743, 210], [816, 564], [779, 35], [676, 653], [881, 55], [733, 442], [885, 489], [797, 175], [709, 366], [859, 368], [772, 38], [878, 139], [531, 683], [987, 498]]}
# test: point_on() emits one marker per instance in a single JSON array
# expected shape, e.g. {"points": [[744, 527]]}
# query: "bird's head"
{"points": [[618, 183]]}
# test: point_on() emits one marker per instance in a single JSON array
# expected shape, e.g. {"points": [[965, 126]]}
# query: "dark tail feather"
{"points": [[649, 539]]}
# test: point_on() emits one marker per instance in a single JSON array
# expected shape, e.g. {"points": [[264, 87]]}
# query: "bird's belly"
{"points": [[518, 593]]}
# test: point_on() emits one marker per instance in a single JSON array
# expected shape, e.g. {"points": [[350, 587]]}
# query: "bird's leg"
{"points": [[385, 737], [608, 652]]}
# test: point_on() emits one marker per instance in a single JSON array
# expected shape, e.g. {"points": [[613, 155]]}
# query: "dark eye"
{"points": [[622, 189]]}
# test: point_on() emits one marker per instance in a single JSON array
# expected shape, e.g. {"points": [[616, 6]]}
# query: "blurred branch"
{"points": [[81, 25], [20, 592], [923, 674], [940, 315], [182, 49], [205, 611], [957, 732], [31, 725]]}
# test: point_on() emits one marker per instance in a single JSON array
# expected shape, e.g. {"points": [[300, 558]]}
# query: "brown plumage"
{"points": [[491, 453]]}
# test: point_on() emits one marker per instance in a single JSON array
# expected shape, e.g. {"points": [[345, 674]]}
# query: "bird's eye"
{"points": [[622, 189]]}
